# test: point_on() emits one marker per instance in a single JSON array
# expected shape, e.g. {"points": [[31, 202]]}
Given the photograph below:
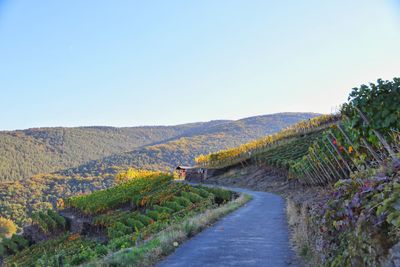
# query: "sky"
{"points": [[130, 63]]}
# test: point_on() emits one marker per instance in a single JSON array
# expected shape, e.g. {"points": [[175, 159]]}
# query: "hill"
{"points": [[24, 153], [18, 200], [183, 150]]}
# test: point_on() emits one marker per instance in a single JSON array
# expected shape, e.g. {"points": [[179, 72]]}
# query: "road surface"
{"points": [[255, 235]]}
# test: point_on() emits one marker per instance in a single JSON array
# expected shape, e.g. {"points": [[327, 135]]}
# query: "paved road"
{"points": [[255, 235]]}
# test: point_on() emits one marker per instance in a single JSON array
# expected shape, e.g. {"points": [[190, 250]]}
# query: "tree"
{"points": [[7, 228]]}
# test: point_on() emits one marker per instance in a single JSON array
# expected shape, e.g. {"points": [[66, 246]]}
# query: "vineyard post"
{"points": [[340, 155], [347, 137], [347, 153], [332, 167], [302, 174], [312, 178], [309, 180], [309, 175], [380, 137], [396, 138], [371, 150], [334, 157], [321, 181], [321, 166]]}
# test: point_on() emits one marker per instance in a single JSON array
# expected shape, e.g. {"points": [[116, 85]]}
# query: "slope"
{"points": [[24, 153]]}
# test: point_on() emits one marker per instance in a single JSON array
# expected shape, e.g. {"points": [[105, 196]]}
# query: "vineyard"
{"points": [[122, 216], [246, 151], [353, 160], [364, 138], [325, 149], [285, 154]]}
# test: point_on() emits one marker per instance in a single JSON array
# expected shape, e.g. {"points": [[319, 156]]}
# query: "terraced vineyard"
{"points": [[286, 153], [119, 217], [248, 150]]}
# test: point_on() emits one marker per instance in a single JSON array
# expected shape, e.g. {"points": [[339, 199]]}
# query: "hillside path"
{"points": [[254, 235]]}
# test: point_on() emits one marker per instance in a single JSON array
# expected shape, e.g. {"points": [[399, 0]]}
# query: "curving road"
{"points": [[255, 235]]}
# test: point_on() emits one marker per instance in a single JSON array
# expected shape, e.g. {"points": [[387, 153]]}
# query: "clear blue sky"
{"points": [[126, 63]]}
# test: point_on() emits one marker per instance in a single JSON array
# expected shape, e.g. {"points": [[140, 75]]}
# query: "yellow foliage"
{"points": [[133, 173], [7, 228]]}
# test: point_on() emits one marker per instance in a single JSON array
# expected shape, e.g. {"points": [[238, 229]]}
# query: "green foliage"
{"points": [[59, 220], [155, 215], [370, 120], [201, 192], [220, 195], [134, 224], [124, 227], [49, 221], [34, 151], [285, 154], [20, 241], [2, 250], [245, 151], [144, 219], [118, 229], [173, 205], [10, 246], [101, 201], [184, 202], [193, 197], [380, 103], [163, 209]]}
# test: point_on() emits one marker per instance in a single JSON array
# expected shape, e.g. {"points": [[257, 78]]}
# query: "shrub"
{"points": [[57, 218], [84, 256], [118, 229], [2, 250], [20, 241], [183, 201], [193, 197], [153, 214], [221, 195], [201, 192], [7, 228], [120, 242], [163, 209], [143, 219], [173, 205], [101, 250], [134, 224], [11, 246]]}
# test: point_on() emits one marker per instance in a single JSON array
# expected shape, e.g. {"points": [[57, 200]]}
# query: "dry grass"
{"points": [[303, 237]]}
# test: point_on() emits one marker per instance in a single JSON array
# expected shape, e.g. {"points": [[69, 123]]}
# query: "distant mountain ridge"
{"points": [[183, 149], [24, 153]]}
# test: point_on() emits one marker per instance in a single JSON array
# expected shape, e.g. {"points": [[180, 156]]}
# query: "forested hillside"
{"points": [[28, 152], [184, 150], [42, 150], [19, 199]]}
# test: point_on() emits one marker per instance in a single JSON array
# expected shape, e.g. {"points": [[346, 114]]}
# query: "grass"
{"points": [[298, 220], [166, 241]]}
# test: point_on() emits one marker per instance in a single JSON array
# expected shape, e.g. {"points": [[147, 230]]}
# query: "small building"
{"points": [[192, 173]]}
